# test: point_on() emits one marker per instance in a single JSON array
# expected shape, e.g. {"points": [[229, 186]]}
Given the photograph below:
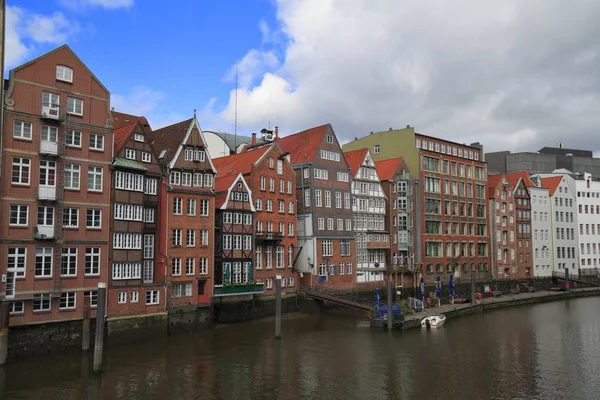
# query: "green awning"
{"points": [[130, 164]]}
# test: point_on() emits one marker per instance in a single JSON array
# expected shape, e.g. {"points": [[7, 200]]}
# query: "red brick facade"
{"points": [[56, 153]]}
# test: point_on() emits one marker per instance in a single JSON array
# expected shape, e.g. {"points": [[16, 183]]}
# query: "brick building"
{"points": [[372, 237], [136, 283], [271, 180], [323, 196], [234, 238], [186, 217], [55, 191], [502, 228], [450, 179], [396, 183]]}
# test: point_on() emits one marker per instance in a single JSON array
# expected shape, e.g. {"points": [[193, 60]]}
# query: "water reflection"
{"points": [[541, 352]]}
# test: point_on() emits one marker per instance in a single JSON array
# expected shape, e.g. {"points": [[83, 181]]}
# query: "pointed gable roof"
{"points": [[355, 159], [239, 163], [492, 183], [122, 134], [386, 168], [514, 177], [170, 139], [223, 186], [551, 183], [303, 146]]}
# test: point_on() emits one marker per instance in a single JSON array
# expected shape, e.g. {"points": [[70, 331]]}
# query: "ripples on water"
{"points": [[549, 351]]}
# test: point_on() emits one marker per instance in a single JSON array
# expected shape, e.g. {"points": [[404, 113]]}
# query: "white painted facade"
{"points": [[588, 212], [541, 221], [368, 208], [564, 225]]}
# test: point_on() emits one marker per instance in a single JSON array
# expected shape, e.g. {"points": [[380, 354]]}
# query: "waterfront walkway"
{"points": [[491, 303]]}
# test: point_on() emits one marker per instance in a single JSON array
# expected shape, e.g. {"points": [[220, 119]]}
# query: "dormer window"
{"points": [[64, 73], [138, 137], [162, 154]]}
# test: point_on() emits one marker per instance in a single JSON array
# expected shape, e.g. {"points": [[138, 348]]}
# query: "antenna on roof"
{"points": [[235, 119]]}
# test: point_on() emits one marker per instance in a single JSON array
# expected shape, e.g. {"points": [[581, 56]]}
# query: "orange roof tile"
{"points": [[122, 134], [386, 168], [513, 178], [239, 163], [223, 183], [355, 159], [551, 183], [303, 146]]}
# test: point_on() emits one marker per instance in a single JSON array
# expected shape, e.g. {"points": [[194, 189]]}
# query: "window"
{"points": [[146, 157], [17, 260], [203, 267], [190, 266], [269, 257], [17, 307], [94, 218], [321, 174], [347, 200], [18, 214], [271, 184], [270, 205], [328, 199], [318, 198], [258, 204], [68, 265], [186, 179], [376, 149], [22, 130], [190, 238], [177, 205], [74, 106], [307, 197], [150, 185], [73, 138], [247, 242], [330, 224], [96, 141], [345, 247], [348, 224], [20, 170], [148, 246], [279, 257], [321, 224], [122, 297], [248, 219], [204, 207], [92, 261], [130, 154], [208, 180], [64, 73], [279, 167], [43, 262], [329, 139], [127, 241], [134, 296], [41, 302], [342, 177], [152, 297], [204, 237], [176, 238], [176, 266], [327, 248], [94, 179], [191, 207]]}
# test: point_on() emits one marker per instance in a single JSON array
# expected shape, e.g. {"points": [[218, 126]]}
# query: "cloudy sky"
{"points": [[512, 74]]}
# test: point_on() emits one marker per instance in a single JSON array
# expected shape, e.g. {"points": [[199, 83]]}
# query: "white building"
{"points": [[588, 213], [564, 229], [541, 220], [369, 210]]}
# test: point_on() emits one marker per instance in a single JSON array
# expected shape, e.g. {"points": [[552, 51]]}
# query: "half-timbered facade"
{"points": [[187, 222], [137, 279], [234, 238]]}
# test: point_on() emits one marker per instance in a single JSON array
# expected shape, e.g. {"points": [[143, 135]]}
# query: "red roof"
{"points": [[387, 168], [513, 178], [355, 159], [238, 163], [303, 146], [492, 182], [169, 138], [122, 134], [122, 119], [551, 183], [223, 183]]}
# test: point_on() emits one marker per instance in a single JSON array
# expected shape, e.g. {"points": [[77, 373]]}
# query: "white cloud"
{"points": [[509, 74], [142, 100], [26, 31], [80, 5]]}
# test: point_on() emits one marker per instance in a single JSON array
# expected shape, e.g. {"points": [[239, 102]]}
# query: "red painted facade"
{"points": [[55, 190]]}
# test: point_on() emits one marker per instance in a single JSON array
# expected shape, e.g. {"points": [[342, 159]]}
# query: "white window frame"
{"points": [[96, 215], [21, 164], [73, 138], [64, 73], [22, 130], [74, 106], [95, 178], [146, 157], [96, 142]]}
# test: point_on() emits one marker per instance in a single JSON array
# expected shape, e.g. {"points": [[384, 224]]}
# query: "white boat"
{"points": [[433, 321]]}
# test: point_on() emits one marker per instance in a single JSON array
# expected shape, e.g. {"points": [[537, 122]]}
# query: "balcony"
{"points": [[47, 193], [238, 290], [48, 148], [44, 232], [51, 112], [269, 236]]}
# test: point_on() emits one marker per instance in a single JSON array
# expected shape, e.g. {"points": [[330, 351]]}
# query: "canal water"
{"points": [[548, 351]]}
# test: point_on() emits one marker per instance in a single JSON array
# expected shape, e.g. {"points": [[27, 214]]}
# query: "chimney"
{"points": [[276, 132], [253, 139]]}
